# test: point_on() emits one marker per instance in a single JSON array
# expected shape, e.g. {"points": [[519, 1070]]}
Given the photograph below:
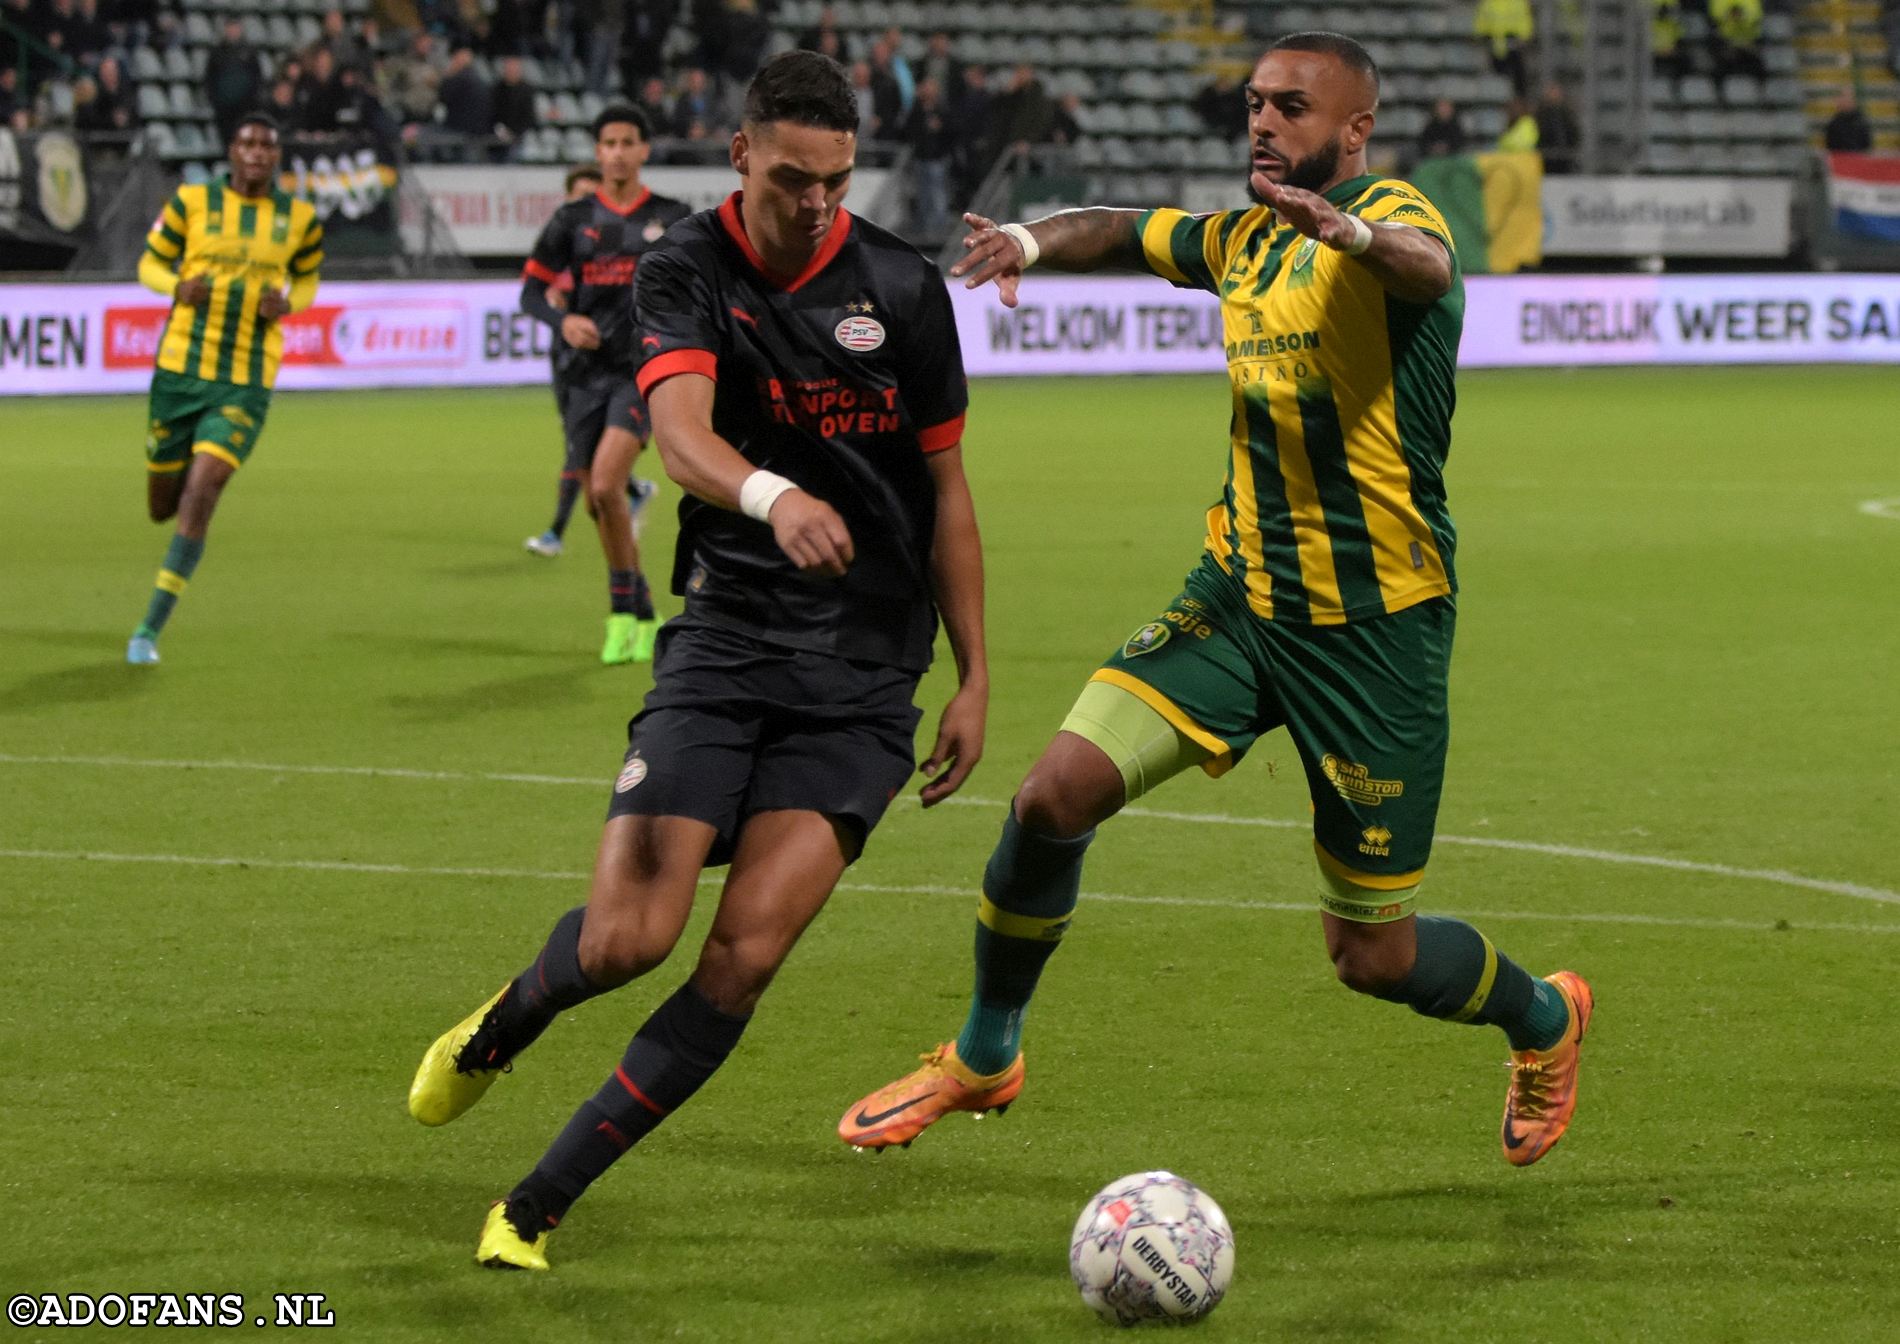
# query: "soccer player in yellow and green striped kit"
{"points": [[1324, 602], [223, 251]]}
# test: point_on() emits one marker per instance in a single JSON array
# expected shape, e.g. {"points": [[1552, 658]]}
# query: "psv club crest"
{"points": [[861, 334]]}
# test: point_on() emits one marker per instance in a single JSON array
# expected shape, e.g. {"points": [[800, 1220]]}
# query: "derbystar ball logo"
{"points": [[860, 334]]}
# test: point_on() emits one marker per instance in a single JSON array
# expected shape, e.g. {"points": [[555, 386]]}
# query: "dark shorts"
{"points": [[188, 415], [590, 410], [735, 726], [1365, 704]]}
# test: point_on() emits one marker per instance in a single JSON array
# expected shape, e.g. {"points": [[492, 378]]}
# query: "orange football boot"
{"points": [[897, 1113], [1543, 1093]]}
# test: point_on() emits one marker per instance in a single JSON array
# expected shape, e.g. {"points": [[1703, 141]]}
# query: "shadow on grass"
{"points": [[81, 684], [535, 690], [457, 647], [485, 569]]}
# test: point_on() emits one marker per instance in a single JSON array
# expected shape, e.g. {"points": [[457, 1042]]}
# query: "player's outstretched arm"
{"points": [[703, 464], [956, 580], [1409, 262], [1070, 240]]}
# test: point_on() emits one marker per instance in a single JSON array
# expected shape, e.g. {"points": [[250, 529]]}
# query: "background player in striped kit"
{"points": [[1324, 601], [222, 252]]}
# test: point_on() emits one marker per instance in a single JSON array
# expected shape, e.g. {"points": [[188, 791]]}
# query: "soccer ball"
{"points": [[1152, 1247]]}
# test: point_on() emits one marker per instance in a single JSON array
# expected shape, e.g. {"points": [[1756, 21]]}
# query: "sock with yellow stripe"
{"points": [[181, 558], [1029, 893], [1459, 977]]}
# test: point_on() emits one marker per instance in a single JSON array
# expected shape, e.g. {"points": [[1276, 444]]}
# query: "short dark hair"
{"points": [[805, 88], [581, 172], [617, 113], [264, 119], [1341, 48]]}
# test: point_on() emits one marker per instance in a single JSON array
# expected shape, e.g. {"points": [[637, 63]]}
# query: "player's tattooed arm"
{"points": [[1091, 239], [1408, 262]]}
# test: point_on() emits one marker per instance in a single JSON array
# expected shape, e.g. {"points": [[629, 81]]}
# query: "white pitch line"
{"points": [[267, 768], [1882, 508], [1776, 876], [967, 893]]}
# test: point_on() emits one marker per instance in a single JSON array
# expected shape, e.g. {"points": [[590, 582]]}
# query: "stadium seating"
{"points": [[1137, 67]]}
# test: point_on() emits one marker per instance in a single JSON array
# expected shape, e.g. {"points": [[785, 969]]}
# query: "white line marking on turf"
{"points": [[265, 767], [1882, 508], [1100, 897], [1777, 876]]}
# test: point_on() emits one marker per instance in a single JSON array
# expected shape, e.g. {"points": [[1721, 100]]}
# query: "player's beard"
{"points": [[1311, 173]]}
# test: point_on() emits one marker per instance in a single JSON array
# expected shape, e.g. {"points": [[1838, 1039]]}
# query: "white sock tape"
{"points": [[1032, 250], [759, 492]]}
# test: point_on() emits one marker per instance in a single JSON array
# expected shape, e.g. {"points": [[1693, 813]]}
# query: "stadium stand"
{"points": [[1126, 97]]}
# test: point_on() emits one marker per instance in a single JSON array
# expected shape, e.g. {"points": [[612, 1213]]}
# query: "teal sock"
{"points": [[1029, 893], [1460, 977], [181, 559]]}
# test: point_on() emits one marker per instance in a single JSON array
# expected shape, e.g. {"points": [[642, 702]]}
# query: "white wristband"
{"points": [[1361, 237], [1032, 250], [759, 492]]}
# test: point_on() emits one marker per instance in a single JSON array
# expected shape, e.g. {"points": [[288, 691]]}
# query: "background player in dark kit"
{"points": [[581, 182], [783, 336], [597, 243]]}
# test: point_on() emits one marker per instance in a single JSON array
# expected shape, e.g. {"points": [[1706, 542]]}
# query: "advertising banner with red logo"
{"points": [[103, 338]]}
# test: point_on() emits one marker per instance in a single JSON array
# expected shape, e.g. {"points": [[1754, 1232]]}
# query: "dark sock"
{"points": [[1029, 893], [1460, 977], [564, 502], [620, 590], [553, 983], [642, 598], [181, 559], [669, 1059]]}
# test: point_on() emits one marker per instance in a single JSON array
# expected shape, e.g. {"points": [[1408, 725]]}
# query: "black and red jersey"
{"points": [[598, 245], [842, 379]]}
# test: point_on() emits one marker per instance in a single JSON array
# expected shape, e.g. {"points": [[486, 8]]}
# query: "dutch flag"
{"points": [[1865, 192]]}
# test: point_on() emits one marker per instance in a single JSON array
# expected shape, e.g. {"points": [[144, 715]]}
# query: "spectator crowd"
{"points": [[454, 77]]}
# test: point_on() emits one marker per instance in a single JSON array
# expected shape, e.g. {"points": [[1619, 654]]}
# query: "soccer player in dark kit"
{"points": [[597, 243], [808, 394], [581, 183]]}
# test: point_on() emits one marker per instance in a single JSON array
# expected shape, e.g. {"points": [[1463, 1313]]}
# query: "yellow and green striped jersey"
{"points": [[1334, 508], [244, 245]]}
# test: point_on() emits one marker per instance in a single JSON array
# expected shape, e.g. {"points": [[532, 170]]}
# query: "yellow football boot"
{"points": [[899, 1112], [1543, 1092], [502, 1247], [449, 1079]]}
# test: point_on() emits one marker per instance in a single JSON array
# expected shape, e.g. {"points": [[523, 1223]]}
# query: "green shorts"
{"points": [[190, 415], [1365, 705]]}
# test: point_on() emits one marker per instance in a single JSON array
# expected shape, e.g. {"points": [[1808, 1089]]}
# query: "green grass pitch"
{"points": [[1675, 697]]}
